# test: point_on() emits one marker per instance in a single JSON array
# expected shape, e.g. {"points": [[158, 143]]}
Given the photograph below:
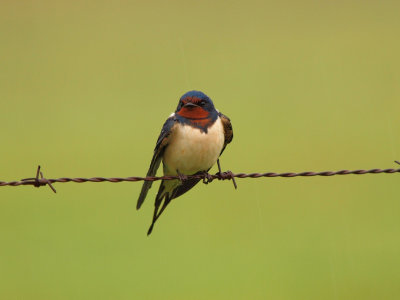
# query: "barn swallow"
{"points": [[190, 142]]}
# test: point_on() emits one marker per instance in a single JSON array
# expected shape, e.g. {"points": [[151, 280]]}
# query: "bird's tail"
{"points": [[170, 189], [164, 192]]}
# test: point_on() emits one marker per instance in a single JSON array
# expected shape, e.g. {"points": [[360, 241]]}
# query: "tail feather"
{"points": [[162, 194], [155, 163], [167, 200], [169, 189]]}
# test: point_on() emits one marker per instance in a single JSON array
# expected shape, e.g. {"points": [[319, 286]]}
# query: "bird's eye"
{"points": [[202, 103]]}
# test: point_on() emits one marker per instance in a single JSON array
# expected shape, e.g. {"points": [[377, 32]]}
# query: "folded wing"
{"points": [[162, 142], [228, 131]]}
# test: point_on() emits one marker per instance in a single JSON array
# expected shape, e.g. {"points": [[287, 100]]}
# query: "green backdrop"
{"points": [[85, 87]]}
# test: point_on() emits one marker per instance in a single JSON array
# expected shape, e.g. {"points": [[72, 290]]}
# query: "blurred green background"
{"points": [[309, 85]]}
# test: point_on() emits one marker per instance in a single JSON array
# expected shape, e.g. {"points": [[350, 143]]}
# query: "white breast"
{"points": [[191, 150]]}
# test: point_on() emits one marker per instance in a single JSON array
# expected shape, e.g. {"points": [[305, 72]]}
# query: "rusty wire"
{"points": [[207, 178]]}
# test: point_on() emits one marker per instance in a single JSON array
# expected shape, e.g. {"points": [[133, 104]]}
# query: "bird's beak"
{"points": [[190, 105]]}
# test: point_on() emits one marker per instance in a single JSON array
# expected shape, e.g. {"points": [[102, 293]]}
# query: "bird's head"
{"points": [[195, 105]]}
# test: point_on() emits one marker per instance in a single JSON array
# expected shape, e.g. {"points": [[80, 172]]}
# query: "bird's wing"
{"points": [[162, 142], [228, 131]]}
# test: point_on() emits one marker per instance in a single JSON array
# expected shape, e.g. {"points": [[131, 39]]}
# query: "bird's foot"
{"points": [[182, 177], [207, 177]]}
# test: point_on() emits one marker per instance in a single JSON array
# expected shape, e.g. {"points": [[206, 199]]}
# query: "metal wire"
{"points": [[207, 178]]}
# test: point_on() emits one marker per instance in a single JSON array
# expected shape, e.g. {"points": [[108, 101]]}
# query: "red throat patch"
{"points": [[193, 113]]}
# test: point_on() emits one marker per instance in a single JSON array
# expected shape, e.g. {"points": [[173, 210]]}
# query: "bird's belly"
{"points": [[190, 150]]}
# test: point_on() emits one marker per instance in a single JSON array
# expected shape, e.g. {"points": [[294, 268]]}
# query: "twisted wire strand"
{"points": [[207, 178]]}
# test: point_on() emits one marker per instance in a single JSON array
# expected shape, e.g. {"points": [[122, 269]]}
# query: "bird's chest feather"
{"points": [[191, 150]]}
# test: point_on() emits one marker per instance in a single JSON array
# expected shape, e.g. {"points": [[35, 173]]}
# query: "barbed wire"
{"points": [[40, 180]]}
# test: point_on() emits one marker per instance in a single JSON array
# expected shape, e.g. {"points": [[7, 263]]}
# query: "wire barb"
{"points": [[38, 182], [226, 175]]}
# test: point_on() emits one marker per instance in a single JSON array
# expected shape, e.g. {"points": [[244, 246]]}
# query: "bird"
{"points": [[190, 143]]}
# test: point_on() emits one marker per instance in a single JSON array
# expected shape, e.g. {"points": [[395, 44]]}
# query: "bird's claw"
{"points": [[207, 177], [182, 177]]}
